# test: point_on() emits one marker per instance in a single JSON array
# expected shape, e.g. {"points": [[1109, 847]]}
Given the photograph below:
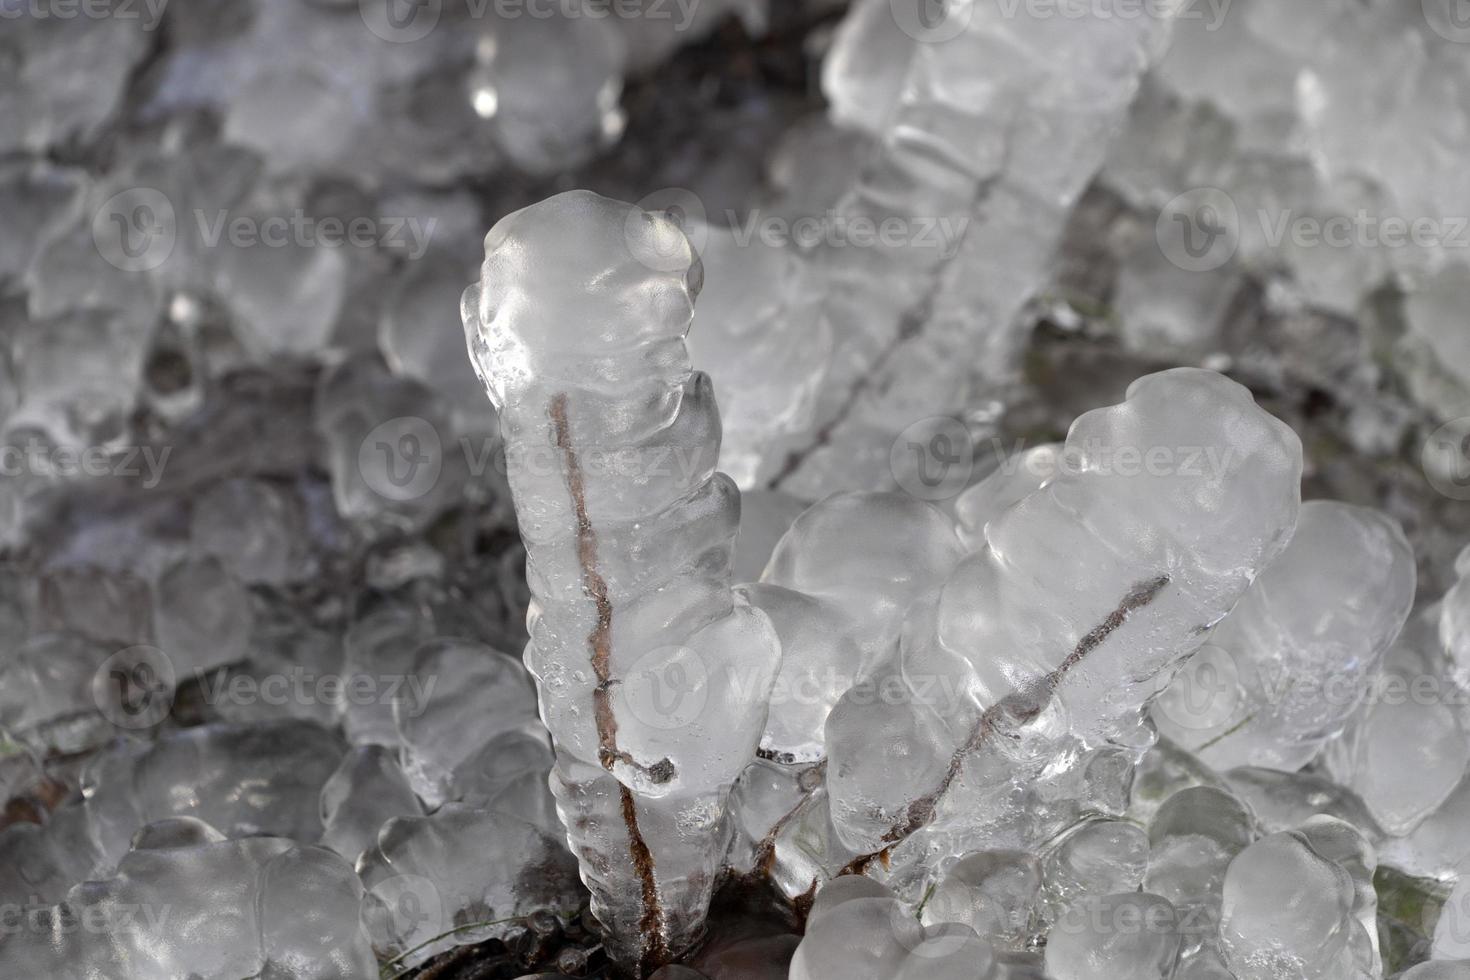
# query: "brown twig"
{"points": [[655, 950], [1018, 707]]}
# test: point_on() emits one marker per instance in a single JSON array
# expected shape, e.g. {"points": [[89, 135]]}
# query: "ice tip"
{"points": [[611, 271]]}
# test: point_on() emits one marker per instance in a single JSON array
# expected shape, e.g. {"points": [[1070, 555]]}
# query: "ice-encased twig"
{"points": [[985, 129], [1055, 633], [653, 678]]}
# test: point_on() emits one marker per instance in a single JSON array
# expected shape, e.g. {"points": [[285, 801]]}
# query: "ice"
{"points": [[767, 358], [908, 547], [1147, 558], [993, 892], [1099, 858], [1128, 935], [551, 87], [1289, 911], [1406, 751], [185, 903], [1192, 840], [67, 75], [989, 126], [821, 660], [511, 773], [765, 516], [1017, 477], [367, 790], [381, 643], [255, 528], [1286, 670], [1439, 970], [1454, 623], [202, 616], [242, 780], [465, 695], [629, 566], [389, 445], [871, 935], [460, 876]]}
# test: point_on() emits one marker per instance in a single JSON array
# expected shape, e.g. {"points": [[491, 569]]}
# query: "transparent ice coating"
{"points": [[653, 676], [468, 694], [1288, 110], [460, 867], [1291, 910], [1016, 477], [985, 126], [759, 328], [1179, 497], [857, 929], [993, 892], [1411, 714], [367, 790], [240, 779], [907, 547], [1134, 935], [1454, 623], [549, 88], [186, 903], [1286, 670]]}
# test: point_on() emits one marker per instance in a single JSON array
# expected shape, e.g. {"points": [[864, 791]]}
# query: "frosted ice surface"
{"points": [[65, 76], [1291, 663], [1133, 935]]}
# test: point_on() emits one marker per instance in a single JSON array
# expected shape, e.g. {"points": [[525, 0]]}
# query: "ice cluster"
{"points": [[881, 555]]}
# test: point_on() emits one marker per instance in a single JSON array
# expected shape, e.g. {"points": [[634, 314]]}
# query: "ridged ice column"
{"points": [[653, 679]]}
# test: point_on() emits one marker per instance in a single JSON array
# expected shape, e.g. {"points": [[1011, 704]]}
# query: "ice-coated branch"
{"points": [[653, 677], [1055, 632]]}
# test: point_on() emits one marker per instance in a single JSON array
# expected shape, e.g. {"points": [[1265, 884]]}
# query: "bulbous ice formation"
{"points": [[1291, 664], [653, 676], [1050, 640]]}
